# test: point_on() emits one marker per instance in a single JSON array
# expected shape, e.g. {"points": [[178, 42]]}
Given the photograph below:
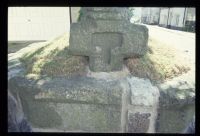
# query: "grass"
{"points": [[54, 60], [160, 63]]}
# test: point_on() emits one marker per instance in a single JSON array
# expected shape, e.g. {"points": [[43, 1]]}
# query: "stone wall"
{"points": [[87, 104], [101, 102]]}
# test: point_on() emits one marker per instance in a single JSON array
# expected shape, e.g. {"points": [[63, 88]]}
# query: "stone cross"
{"points": [[107, 37]]}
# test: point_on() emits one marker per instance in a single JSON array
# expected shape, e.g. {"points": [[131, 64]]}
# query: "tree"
{"points": [[132, 11]]}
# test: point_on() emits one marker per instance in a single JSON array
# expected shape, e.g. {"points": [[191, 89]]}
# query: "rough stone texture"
{"points": [[113, 13], [173, 93], [17, 122], [89, 118], [94, 105], [144, 98], [109, 76], [143, 93], [174, 119], [138, 122], [143, 110], [79, 103], [191, 127], [77, 89], [106, 36]]}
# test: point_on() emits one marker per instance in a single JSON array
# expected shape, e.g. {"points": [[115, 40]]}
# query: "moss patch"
{"points": [[158, 64]]}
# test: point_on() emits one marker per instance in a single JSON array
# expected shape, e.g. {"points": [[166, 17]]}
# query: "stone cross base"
{"points": [[106, 36], [87, 104]]}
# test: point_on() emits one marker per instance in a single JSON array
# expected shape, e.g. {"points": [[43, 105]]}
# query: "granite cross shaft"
{"points": [[106, 36]]}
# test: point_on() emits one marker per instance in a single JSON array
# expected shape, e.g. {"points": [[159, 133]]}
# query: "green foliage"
{"points": [[80, 14], [132, 11]]}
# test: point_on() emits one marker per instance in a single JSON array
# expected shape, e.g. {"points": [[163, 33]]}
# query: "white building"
{"points": [[177, 18], [190, 19], [45, 23], [190, 14], [37, 23], [163, 17], [150, 15]]}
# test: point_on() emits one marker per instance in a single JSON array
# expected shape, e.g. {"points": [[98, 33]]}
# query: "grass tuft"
{"points": [[159, 64], [54, 60]]}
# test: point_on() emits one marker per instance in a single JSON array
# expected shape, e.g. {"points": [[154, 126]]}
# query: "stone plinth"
{"points": [[144, 103], [84, 104], [106, 36], [138, 122], [174, 118], [143, 93]]}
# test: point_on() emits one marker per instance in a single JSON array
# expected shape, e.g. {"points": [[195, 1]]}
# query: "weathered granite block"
{"points": [[143, 93], [138, 122], [174, 119], [113, 13], [144, 99], [176, 96], [72, 104], [106, 36], [190, 127], [89, 118], [17, 122]]}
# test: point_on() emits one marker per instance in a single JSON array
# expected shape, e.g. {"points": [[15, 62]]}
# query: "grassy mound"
{"points": [[158, 64], [53, 59]]}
